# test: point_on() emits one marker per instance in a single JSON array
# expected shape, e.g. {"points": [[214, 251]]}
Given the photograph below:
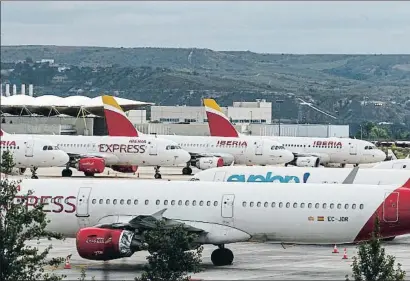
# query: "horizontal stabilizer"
{"points": [[351, 176]]}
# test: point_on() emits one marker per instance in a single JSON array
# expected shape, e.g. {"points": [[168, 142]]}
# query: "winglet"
{"points": [[219, 125], [116, 120], [351, 176]]}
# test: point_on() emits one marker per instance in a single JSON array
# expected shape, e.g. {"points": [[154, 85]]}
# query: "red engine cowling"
{"points": [[106, 244], [124, 168], [205, 163], [91, 165]]}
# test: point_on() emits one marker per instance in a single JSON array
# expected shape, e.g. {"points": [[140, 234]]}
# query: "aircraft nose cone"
{"points": [[63, 159], [380, 156], [185, 156], [288, 156]]}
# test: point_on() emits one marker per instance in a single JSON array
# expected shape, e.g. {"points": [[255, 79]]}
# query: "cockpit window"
{"points": [[49, 147], [368, 147]]}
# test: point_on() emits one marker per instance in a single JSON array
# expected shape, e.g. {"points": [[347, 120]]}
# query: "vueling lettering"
{"points": [[8, 143], [57, 204], [232, 143], [327, 143], [122, 148], [269, 177]]}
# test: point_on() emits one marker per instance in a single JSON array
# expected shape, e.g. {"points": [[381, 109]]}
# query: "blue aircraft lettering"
{"points": [[268, 178]]}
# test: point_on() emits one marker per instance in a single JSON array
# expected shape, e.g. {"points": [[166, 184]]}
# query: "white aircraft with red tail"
{"points": [[31, 152], [109, 223], [308, 152], [206, 152]]}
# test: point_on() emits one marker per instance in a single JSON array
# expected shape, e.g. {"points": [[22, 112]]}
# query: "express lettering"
{"points": [[57, 204], [340, 219], [122, 148], [7, 143], [327, 143], [232, 143], [269, 177]]}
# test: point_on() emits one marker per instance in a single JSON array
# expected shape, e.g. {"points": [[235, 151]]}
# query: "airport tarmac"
{"points": [[253, 261]]}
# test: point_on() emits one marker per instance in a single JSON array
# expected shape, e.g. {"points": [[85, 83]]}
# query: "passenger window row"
{"points": [[10, 147], [76, 145], [303, 205], [196, 145], [157, 202]]}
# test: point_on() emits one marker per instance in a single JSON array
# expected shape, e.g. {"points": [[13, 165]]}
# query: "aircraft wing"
{"points": [[106, 156]]}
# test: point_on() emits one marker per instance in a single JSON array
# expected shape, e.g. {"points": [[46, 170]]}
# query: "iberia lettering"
{"points": [[232, 143], [7, 143], [122, 148], [269, 177], [56, 204], [327, 143]]}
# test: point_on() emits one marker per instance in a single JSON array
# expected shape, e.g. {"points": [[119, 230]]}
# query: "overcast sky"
{"points": [[269, 27]]}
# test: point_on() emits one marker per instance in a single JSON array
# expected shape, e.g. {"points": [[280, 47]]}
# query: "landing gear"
{"points": [[355, 165], [222, 256], [34, 173], [343, 165], [88, 174], [157, 173], [67, 172], [187, 170], [22, 171]]}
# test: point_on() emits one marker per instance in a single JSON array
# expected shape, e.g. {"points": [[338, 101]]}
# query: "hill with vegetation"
{"points": [[354, 88]]}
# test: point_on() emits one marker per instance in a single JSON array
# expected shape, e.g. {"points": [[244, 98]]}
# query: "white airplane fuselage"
{"points": [[30, 151], [308, 213], [302, 175], [399, 164], [247, 151], [123, 150]]}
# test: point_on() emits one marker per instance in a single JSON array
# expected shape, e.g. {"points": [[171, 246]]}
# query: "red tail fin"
{"points": [[2, 133], [116, 120], [219, 125]]}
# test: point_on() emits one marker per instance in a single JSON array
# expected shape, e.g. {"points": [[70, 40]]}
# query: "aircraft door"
{"points": [[353, 149], [258, 147], [391, 207], [82, 202], [29, 147], [227, 205], [219, 176], [152, 148]]}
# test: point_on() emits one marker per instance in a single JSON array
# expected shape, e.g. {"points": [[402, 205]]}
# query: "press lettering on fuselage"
{"points": [[232, 143], [122, 148], [56, 204], [328, 143], [269, 177]]}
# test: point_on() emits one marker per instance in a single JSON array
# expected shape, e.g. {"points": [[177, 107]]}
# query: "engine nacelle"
{"points": [[307, 161], [106, 244], [205, 163], [125, 168], [91, 165]]}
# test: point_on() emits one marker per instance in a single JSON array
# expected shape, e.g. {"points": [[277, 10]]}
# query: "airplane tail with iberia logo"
{"points": [[218, 123], [118, 124]]}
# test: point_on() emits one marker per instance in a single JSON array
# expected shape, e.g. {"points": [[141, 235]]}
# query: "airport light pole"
{"points": [[279, 102]]}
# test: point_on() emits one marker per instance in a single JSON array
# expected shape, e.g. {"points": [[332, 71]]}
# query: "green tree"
{"points": [[173, 254], [372, 263], [7, 162], [18, 225]]}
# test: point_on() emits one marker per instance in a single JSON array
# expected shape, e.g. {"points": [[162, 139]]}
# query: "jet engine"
{"points": [[90, 166], [125, 168], [204, 163], [307, 161], [107, 244]]}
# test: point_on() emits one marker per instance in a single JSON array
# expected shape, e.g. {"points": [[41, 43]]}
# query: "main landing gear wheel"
{"points": [[88, 174], [34, 173], [66, 173], [187, 171], [222, 256]]}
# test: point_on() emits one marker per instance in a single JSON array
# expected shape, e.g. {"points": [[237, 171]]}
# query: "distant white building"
{"points": [[259, 111]]}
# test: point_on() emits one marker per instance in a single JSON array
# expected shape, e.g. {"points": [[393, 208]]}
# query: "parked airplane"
{"points": [[31, 152], [304, 175], [394, 164], [309, 152], [109, 223], [206, 152], [91, 154]]}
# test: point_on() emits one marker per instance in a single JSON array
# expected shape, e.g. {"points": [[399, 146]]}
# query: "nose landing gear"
{"points": [[222, 256], [67, 172], [187, 170], [157, 173], [34, 172]]}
